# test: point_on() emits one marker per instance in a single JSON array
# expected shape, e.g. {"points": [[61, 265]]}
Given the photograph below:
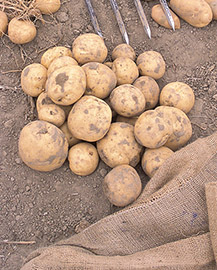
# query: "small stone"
{"points": [[215, 97], [18, 160], [31, 205], [27, 188], [14, 208], [82, 226], [103, 172], [62, 17], [17, 217], [9, 123]]}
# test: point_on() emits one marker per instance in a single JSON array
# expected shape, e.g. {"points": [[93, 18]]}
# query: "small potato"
{"points": [[178, 95], [53, 114], [70, 138], [123, 50], [119, 146], [21, 32], [83, 159], [47, 6], [101, 80], [150, 89], [159, 17], [213, 5], [66, 85], [89, 119], [128, 120], [59, 62], [127, 100], [108, 64], [151, 130], [154, 158], [3, 23], [151, 63], [42, 146], [33, 79], [126, 70], [122, 185], [89, 48], [53, 53]]}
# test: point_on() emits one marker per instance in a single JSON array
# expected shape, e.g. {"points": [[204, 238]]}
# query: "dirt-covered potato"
{"points": [[70, 138], [59, 62], [178, 95], [151, 130], [20, 31], [89, 48], [3, 22], [83, 158], [153, 158], [47, 6], [119, 146], [128, 120], [42, 146], [101, 80], [53, 53], [151, 63], [89, 119], [213, 5], [150, 89], [127, 100], [122, 185], [159, 17], [53, 114], [181, 126], [66, 85], [196, 12], [125, 69], [123, 50], [33, 79]]}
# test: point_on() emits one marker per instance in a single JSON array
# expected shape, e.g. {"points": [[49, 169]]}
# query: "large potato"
{"points": [[213, 5], [47, 6], [42, 146], [123, 50], [70, 138], [119, 146], [127, 100], [52, 113], [89, 48], [196, 12], [89, 119], [3, 22], [33, 79], [66, 85], [101, 80], [59, 62], [122, 185]]}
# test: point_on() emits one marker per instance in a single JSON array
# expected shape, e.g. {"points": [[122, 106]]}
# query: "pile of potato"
{"points": [[89, 109]]}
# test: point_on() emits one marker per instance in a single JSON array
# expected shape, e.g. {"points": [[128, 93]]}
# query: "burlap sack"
{"points": [[166, 228]]}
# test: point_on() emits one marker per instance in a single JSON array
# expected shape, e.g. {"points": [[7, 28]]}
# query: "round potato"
{"points": [[127, 100], [33, 79], [61, 61], [42, 146], [53, 114], [53, 53], [70, 138], [151, 130], [122, 185], [3, 23], [151, 63], [119, 146], [213, 5], [128, 120], [47, 6], [123, 50], [150, 89], [83, 159], [153, 158], [89, 48], [126, 70], [101, 80], [66, 85], [21, 32], [89, 119], [178, 95]]}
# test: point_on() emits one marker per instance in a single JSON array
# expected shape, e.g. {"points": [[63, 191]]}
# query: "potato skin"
{"points": [[213, 5], [47, 6], [53, 114], [70, 138], [128, 120], [42, 146], [122, 185], [123, 50], [3, 23], [59, 62]]}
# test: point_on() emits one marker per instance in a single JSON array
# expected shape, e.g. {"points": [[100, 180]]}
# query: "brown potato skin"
{"points": [[47, 6], [213, 5], [59, 62], [123, 50], [70, 138], [53, 114], [3, 23]]}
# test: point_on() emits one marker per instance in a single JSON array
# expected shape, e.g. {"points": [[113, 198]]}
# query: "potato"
{"points": [[127, 100], [123, 50], [128, 120], [196, 12], [53, 114], [159, 17], [181, 126], [66, 85], [70, 138], [83, 159], [21, 32], [178, 95], [101, 80], [3, 23], [42, 146], [59, 62], [108, 64], [150, 89], [89, 119], [54, 53], [213, 5], [154, 158], [119, 146], [126, 70], [122, 185], [33, 79], [89, 48], [151, 130], [47, 6], [151, 63]]}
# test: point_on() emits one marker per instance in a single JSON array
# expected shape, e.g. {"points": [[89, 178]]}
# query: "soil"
{"points": [[47, 207]]}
